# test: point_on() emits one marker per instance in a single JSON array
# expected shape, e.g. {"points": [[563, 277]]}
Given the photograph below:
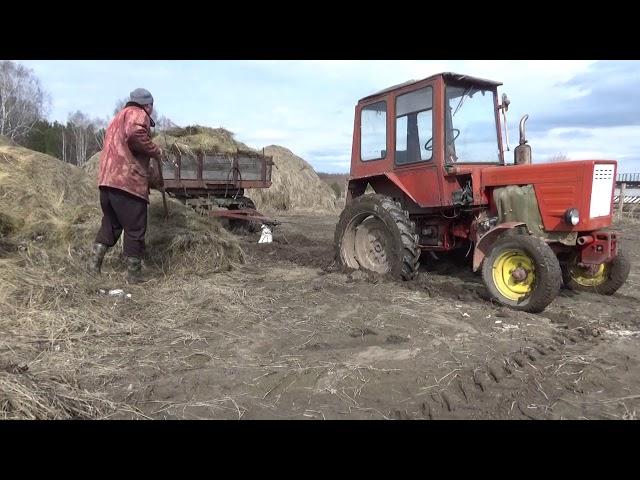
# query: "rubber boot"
{"points": [[97, 256], [134, 270]]}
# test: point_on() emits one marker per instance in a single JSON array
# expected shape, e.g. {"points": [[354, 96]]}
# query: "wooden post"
{"points": [[623, 186]]}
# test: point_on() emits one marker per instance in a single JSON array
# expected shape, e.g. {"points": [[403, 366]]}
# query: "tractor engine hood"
{"points": [[586, 185]]}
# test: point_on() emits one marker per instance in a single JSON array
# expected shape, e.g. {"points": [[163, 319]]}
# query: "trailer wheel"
{"points": [[604, 279], [522, 272], [374, 233]]}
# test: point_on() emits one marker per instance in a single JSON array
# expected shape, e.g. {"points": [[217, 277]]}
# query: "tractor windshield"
{"points": [[470, 125]]}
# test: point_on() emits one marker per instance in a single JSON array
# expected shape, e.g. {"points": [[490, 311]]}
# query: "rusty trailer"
{"points": [[214, 183]]}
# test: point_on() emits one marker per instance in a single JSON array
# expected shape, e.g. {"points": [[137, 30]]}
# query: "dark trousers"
{"points": [[121, 210]]}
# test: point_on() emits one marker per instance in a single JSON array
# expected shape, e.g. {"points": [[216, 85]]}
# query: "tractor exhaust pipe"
{"points": [[584, 240], [523, 138], [522, 153]]}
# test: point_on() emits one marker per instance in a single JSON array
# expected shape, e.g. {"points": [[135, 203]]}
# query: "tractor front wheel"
{"points": [[604, 279], [522, 272], [375, 233]]}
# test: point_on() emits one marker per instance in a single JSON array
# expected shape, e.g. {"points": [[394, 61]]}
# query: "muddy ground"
{"points": [[285, 336]]}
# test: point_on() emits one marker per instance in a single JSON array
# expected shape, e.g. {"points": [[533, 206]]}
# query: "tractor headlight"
{"points": [[572, 216]]}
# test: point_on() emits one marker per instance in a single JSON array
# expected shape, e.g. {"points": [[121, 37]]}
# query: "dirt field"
{"points": [[287, 337]]}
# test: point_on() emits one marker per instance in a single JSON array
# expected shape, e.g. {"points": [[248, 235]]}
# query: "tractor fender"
{"points": [[398, 183], [484, 244]]}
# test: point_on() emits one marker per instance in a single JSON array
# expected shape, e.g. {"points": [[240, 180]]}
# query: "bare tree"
{"points": [[64, 145], [558, 157], [84, 131], [120, 104], [165, 123], [99, 137], [22, 100], [100, 126], [78, 123]]}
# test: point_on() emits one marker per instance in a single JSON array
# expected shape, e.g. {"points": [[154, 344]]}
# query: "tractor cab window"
{"points": [[471, 134], [414, 126], [373, 131]]}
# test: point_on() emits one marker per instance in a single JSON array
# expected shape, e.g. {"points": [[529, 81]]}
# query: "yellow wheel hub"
{"points": [[590, 278], [514, 274]]}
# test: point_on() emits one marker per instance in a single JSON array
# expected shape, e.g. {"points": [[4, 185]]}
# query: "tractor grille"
{"points": [[601, 191]]}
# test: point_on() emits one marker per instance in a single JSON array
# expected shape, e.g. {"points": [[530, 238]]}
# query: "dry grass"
{"points": [[62, 340], [27, 397], [629, 215], [91, 166]]}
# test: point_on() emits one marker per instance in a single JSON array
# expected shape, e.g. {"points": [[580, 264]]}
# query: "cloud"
{"points": [[610, 98]]}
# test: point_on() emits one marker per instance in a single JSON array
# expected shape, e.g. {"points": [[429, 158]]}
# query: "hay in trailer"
{"points": [[196, 139], [295, 185], [188, 141]]}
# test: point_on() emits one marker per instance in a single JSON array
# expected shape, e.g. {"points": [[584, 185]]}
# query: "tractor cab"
{"points": [[428, 132]]}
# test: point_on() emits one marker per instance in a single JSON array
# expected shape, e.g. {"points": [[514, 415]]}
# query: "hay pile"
{"points": [[53, 205], [91, 166], [60, 338], [296, 185], [43, 198]]}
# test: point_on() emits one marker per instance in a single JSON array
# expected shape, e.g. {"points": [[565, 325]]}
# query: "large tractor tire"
{"points": [[604, 279], [374, 233], [522, 272]]}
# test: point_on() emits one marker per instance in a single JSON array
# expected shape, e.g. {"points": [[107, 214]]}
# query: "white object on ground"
{"points": [[267, 236], [118, 292]]}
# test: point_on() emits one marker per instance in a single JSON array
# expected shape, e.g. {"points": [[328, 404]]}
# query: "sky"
{"points": [[581, 109]]}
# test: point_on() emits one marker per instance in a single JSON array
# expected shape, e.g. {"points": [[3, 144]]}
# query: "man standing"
{"points": [[123, 179]]}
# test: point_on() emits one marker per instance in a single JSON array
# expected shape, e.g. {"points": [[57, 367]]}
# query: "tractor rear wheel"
{"points": [[375, 233], [604, 279], [522, 272]]}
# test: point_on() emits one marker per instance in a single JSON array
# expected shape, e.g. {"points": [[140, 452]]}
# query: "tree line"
{"points": [[24, 106]]}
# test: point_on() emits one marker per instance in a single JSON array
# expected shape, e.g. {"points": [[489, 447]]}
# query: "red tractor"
{"points": [[432, 151]]}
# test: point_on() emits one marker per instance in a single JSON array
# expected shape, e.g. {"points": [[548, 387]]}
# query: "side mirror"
{"points": [[505, 102]]}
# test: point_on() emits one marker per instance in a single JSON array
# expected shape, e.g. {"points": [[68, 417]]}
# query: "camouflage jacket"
{"points": [[124, 162]]}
